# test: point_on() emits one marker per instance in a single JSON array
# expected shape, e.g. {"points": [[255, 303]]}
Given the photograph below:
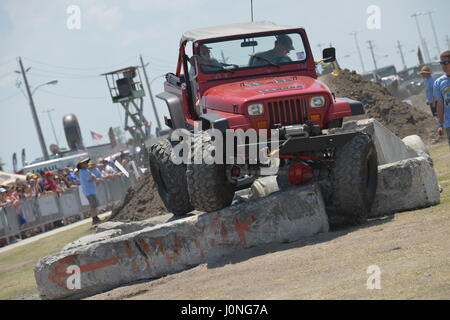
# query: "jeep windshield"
{"points": [[235, 54]]}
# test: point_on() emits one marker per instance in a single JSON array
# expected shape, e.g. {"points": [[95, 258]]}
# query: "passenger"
{"points": [[279, 54]]}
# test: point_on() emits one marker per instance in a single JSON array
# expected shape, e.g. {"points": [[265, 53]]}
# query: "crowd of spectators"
{"points": [[45, 182]]}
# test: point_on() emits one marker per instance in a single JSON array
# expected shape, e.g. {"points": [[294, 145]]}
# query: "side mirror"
{"points": [[329, 55]]}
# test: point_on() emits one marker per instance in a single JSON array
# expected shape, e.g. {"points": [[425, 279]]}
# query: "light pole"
{"points": [[438, 47], [150, 94], [48, 111], [354, 34], [422, 40], [33, 107]]}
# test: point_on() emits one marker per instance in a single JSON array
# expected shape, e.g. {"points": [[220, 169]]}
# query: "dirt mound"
{"points": [[141, 202], [399, 117]]}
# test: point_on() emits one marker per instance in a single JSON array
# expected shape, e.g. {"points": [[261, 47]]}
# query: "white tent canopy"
{"points": [[6, 178], [232, 30]]}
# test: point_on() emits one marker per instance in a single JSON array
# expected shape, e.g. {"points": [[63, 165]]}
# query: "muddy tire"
{"points": [[208, 187], [354, 180], [170, 179]]}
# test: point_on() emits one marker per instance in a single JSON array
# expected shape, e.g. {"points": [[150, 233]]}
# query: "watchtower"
{"points": [[125, 87]]}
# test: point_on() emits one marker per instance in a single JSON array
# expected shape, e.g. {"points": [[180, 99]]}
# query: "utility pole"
{"points": [[48, 111], [430, 13], [354, 34], [371, 47], [422, 40], [251, 8], [399, 47], [150, 94], [33, 112]]}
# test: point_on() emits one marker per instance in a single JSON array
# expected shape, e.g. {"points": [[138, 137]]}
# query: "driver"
{"points": [[279, 54], [206, 62]]}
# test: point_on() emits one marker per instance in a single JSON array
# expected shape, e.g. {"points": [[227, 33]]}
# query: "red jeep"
{"points": [[261, 76]]}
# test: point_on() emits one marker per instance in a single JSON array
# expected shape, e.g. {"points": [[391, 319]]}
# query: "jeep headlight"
{"points": [[256, 109], [317, 102]]}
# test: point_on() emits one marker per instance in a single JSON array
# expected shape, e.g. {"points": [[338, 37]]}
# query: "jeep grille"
{"points": [[287, 112]]}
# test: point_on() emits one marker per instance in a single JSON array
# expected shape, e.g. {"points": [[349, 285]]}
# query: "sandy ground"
{"points": [[411, 249]]}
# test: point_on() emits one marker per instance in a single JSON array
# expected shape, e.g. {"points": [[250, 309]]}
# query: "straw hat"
{"points": [[425, 70]]}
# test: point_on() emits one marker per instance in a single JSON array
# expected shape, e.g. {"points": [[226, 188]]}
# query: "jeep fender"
{"points": [[175, 110], [344, 107]]}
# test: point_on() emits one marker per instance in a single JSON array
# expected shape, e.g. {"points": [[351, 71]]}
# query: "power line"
{"points": [[9, 97], [80, 68], [72, 97], [65, 73]]}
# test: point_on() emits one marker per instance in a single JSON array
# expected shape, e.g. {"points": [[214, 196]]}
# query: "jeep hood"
{"points": [[224, 97]]}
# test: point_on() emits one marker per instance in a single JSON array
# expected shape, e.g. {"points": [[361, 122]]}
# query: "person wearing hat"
{"points": [[425, 72], [206, 62], [279, 54], [87, 182], [442, 95]]}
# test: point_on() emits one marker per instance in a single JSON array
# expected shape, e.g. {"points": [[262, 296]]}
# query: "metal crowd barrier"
{"points": [[50, 208]]}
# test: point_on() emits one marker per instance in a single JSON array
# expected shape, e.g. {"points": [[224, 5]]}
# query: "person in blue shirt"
{"points": [[429, 83], [87, 182], [72, 177], [442, 95], [97, 173]]}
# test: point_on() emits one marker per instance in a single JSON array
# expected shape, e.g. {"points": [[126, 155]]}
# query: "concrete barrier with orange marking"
{"points": [[175, 246]]}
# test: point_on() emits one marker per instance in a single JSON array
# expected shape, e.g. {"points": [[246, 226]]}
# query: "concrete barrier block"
{"points": [[129, 227], [172, 247], [92, 238], [405, 185], [416, 143], [390, 148]]}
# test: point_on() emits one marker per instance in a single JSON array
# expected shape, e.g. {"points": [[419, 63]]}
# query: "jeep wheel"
{"points": [[354, 180], [208, 187], [170, 179]]}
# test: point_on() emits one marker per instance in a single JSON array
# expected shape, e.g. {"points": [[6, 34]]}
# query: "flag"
{"points": [[96, 136]]}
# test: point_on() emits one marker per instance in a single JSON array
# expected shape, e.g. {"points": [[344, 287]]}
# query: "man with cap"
{"points": [[429, 83], [442, 94], [279, 54], [87, 182], [206, 62]]}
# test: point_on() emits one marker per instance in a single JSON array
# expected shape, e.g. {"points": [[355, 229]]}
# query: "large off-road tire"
{"points": [[353, 180], [170, 179], [208, 187]]}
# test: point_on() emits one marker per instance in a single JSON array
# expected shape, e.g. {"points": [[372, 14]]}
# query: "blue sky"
{"points": [[113, 33]]}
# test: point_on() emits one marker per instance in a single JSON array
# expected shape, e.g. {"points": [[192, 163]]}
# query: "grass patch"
{"points": [[17, 265]]}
